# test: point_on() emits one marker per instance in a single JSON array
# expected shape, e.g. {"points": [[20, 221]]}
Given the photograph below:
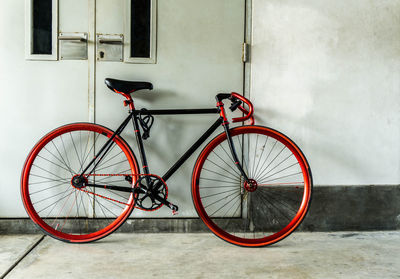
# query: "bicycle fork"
{"points": [[234, 155], [225, 124]]}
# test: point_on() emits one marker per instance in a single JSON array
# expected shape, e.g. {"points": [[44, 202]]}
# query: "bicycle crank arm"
{"points": [[173, 207]]}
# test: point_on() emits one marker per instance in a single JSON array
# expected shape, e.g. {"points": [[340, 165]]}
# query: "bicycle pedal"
{"points": [[174, 208]]}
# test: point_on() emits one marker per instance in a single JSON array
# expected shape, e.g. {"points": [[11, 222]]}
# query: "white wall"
{"points": [[327, 73]]}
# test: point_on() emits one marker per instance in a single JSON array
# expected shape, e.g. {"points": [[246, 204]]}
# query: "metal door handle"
{"points": [[72, 38], [110, 41]]}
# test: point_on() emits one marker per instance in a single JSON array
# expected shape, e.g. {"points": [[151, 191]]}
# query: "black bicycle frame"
{"points": [[189, 152], [134, 117]]}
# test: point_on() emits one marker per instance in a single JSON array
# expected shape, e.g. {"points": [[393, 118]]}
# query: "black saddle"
{"points": [[127, 86]]}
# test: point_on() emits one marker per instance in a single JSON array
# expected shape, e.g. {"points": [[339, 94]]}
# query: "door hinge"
{"points": [[245, 52]]}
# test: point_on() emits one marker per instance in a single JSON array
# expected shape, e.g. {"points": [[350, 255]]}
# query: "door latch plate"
{"points": [[110, 47]]}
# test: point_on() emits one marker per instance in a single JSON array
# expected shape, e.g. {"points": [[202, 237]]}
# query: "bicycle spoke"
{"points": [[255, 153], [211, 187], [47, 171], [229, 165], [112, 165], [286, 176], [69, 212], [83, 204], [65, 151], [230, 178], [219, 200], [210, 179], [266, 159], [53, 163], [71, 171], [273, 209], [62, 159], [273, 205], [234, 197], [259, 159], [228, 172], [91, 148], [109, 159], [285, 197], [237, 200], [274, 159], [47, 179], [45, 199], [84, 152], [106, 208], [76, 151], [277, 165], [51, 187], [55, 201], [219, 193]]}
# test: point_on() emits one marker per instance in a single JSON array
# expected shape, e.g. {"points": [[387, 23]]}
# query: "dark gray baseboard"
{"points": [[333, 208], [372, 207]]}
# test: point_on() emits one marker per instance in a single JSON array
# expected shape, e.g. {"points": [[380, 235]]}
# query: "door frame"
{"points": [[248, 27]]}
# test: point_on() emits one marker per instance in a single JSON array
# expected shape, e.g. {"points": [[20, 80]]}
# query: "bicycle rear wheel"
{"points": [[76, 214], [264, 211]]}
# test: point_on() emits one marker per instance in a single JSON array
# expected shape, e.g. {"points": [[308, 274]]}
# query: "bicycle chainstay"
{"points": [[136, 188]]}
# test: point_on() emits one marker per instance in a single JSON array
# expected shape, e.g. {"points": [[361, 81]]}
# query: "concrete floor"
{"points": [[13, 247], [302, 255]]}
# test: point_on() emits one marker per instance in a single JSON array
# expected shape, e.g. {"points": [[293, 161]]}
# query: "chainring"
{"points": [[144, 198]]}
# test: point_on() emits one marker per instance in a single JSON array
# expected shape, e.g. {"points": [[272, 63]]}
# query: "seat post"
{"points": [[128, 101]]}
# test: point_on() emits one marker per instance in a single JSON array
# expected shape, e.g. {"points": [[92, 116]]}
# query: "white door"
{"points": [[196, 52], [36, 94]]}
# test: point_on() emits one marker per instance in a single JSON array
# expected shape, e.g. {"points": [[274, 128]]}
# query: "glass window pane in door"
{"points": [[140, 28], [41, 27]]}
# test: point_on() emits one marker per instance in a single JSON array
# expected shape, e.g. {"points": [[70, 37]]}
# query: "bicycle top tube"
{"points": [[176, 111]]}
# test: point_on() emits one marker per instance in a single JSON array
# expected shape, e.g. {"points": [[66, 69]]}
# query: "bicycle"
{"points": [[251, 185]]}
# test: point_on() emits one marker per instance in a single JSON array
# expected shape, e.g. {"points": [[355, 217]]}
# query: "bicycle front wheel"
{"points": [[268, 208], [78, 214]]}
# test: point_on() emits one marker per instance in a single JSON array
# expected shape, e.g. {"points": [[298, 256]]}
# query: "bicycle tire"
{"points": [[47, 173], [262, 212]]}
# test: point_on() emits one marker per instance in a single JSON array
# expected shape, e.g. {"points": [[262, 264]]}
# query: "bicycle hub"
{"points": [[78, 181], [250, 185]]}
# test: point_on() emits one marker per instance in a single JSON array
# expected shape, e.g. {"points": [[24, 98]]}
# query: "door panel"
{"points": [[73, 15], [198, 55], [36, 96]]}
